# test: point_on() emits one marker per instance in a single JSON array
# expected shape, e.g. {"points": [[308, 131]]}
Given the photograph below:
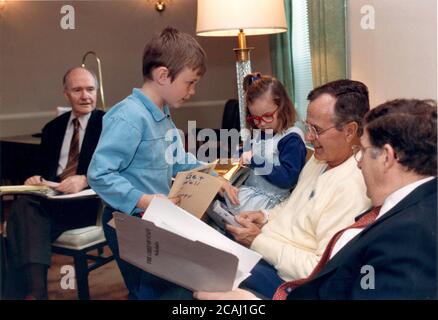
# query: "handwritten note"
{"points": [[195, 190]]}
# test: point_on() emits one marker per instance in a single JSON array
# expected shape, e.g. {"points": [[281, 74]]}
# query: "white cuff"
{"points": [[266, 214]]}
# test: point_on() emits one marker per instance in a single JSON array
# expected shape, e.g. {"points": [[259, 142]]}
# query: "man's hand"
{"points": [[34, 181], [230, 190], [238, 294], [256, 217], [246, 234], [73, 184]]}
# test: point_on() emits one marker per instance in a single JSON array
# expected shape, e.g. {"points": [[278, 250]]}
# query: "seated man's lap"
{"points": [[264, 280]]}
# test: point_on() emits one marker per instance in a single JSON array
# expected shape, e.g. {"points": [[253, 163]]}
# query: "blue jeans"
{"points": [[141, 285], [263, 280]]}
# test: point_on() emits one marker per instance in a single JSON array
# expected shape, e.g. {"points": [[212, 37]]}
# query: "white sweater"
{"points": [[300, 228]]}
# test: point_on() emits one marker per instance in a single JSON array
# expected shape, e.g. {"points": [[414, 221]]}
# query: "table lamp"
{"points": [[241, 18]]}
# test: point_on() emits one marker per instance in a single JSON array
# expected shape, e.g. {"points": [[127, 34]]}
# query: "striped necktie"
{"points": [[284, 289], [73, 154]]}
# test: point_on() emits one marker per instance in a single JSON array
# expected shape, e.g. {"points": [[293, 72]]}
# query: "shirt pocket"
{"points": [[151, 154]]}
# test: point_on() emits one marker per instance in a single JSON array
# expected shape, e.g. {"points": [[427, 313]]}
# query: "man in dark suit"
{"points": [[392, 255], [67, 145]]}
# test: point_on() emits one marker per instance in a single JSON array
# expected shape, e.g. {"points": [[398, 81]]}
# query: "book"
{"points": [[232, 171], [173, 244], [44, 191]]}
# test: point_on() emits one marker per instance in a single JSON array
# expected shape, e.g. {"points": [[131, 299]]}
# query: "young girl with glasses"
{"points": [[277, 152]]}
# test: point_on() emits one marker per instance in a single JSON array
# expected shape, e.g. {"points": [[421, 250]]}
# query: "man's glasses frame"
{"points": [[312, 130], [359, 152]]}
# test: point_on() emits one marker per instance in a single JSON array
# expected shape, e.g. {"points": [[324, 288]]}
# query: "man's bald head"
{"points": [[65, 79], [80, 90]]}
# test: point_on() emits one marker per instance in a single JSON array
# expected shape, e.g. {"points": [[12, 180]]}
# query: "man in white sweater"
{"points": [[330, 192]]}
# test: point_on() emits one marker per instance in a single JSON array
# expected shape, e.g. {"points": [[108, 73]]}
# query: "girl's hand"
{"points": [[231, 191], [245, 158]]}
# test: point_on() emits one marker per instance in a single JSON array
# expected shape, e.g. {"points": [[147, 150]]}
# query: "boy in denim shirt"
{"points": [[131, 163]]}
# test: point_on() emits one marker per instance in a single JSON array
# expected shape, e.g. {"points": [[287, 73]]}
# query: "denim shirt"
{"points": [[139, 152]]}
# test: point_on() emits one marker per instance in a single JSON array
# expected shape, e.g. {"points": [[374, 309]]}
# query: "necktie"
{"points": [[283, 290], [73, 154]]}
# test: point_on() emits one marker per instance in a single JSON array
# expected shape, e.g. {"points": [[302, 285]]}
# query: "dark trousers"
{"points": [[264, 280], [34, 223], [131, 274]]}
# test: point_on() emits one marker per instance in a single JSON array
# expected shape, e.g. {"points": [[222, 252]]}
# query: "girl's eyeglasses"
{"points": [[266, 117]]}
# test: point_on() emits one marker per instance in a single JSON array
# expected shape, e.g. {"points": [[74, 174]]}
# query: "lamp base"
{"points": [[242, 69]]}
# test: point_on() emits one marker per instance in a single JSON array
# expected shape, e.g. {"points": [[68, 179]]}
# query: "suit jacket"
{"points": [[53, 136], [397, 255]]}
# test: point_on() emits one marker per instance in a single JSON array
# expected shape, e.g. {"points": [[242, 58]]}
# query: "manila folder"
{"points": [[194, 265]]}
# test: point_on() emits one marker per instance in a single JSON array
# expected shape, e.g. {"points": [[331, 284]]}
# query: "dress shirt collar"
{"points": [[83, 120], [152, 107], [400, 194]]}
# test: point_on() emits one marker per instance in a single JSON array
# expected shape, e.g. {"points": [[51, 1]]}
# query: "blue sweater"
{"points": [[292, 157]]}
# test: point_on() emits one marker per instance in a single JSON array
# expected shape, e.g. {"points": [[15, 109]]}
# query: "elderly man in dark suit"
{"points": [[391, 250], [67, 145]]}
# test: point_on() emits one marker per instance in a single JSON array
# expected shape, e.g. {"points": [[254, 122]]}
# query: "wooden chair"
{"points": [[78, 243]]}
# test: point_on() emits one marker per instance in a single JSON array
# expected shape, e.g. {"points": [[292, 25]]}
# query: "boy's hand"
{"points": [[231, 191], [146, 199], [175, 200]]}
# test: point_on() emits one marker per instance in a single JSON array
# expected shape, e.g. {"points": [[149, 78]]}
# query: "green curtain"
{"points": [[327, 40], [281, 53]]}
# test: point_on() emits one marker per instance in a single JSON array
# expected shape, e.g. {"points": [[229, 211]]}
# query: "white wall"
{"points": [[398, 59], [35, 53]]}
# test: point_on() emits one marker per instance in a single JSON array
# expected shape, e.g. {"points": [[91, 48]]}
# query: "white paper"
{"points": [[83, 193], [166, 215]]}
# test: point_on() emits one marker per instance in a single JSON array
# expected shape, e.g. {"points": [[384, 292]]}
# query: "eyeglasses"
{"points": [[358, 156], [266, 117], [315, 132]]}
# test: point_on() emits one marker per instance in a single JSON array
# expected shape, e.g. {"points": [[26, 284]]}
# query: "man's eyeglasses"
{"points": [[310, 129], [359, 152], [266, 117]]}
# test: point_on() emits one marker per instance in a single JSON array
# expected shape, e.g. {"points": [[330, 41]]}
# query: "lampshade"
{"points": [[217, 18]]}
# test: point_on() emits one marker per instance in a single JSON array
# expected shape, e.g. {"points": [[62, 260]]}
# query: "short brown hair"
{"points": [[409, 126], [255, 85], [174, 50], [352, 101]]}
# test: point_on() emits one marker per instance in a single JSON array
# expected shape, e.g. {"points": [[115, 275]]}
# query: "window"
{"points": [[301, 56]]}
